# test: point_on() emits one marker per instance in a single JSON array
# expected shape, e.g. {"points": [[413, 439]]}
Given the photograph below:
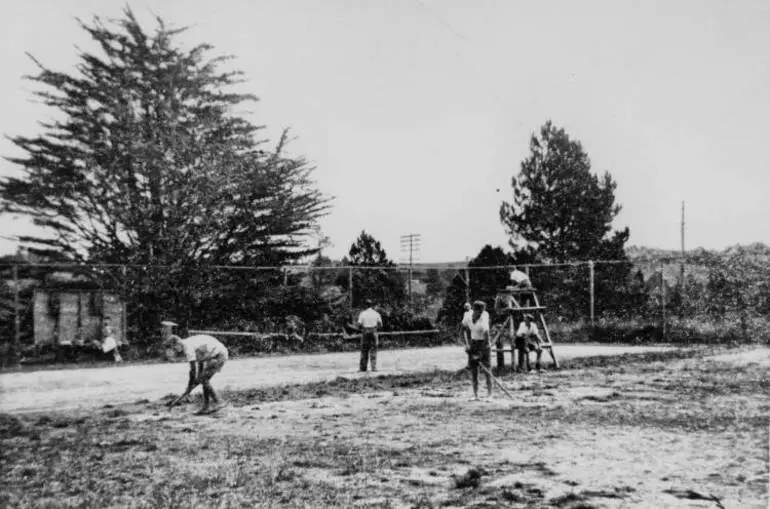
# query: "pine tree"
{"points": [[559, 206], [377, 278]]}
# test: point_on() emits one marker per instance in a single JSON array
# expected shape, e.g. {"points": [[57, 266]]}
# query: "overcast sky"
{"points": [[416, 112]]}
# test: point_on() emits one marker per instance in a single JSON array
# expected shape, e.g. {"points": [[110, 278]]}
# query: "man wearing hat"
{"points": [[368, 322], [206, 356], [476, 328], [528, 339]]}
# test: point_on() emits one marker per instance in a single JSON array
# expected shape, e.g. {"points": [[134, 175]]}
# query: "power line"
{"points": [[440, 20]]}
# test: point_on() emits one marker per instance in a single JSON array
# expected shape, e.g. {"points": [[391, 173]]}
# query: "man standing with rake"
{"points": [[476, 331]]}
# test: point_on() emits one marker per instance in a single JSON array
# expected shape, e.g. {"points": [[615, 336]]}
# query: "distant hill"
{"points": [[651, 260], [641, 253]]}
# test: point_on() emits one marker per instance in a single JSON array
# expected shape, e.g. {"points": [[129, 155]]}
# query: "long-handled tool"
{"points": [[497, 381]]}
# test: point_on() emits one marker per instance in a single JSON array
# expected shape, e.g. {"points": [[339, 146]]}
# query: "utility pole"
{"points": [[410, 243], [682, 229], [681, 269]]}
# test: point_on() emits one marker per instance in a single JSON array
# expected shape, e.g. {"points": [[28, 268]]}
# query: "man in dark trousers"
{"points": [[368, 322], [477, 341]]}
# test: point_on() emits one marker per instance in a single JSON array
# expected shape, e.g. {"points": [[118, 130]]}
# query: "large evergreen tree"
{"points": [[564, 212], [559, 206], [147, 161]]}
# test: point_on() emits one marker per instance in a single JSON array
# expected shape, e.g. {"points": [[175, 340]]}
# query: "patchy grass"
{"points": [[646, 430]]}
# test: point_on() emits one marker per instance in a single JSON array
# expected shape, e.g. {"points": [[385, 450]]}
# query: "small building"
{"points": [[76, 316]]}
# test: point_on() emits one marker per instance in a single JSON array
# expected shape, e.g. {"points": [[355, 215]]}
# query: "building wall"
{"points": [[73, 317]]}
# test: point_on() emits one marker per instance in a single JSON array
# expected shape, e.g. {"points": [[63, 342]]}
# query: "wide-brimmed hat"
{"points": [[527, 315], [479, 304], [169, 323]]}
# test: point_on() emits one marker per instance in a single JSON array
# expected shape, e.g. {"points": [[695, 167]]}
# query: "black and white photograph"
{"points": [[385, 254]]}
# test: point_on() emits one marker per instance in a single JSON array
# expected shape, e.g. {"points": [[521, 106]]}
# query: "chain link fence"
{"points": [[269, 309]]}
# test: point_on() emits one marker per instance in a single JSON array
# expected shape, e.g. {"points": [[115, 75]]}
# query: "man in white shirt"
{"points": [[368, 321], [528, 339], [206, 356], [478, 348], [520, 280]]}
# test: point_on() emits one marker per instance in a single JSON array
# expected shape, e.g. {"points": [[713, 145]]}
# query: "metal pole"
{"points": [[16, 321], [124, 308], [681, 272], [350, 288], [467, 285], [662, 303], [591, 290]]}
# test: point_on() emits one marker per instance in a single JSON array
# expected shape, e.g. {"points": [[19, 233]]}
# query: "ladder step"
{"points": [[531, 308], [518, 290], [542, 347]]}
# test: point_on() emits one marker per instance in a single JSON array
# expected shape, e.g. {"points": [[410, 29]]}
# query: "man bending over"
{"points": [[206, 356]]}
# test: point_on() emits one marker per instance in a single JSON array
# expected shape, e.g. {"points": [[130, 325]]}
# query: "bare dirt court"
{"points": [[673, 428], [94, 387]]}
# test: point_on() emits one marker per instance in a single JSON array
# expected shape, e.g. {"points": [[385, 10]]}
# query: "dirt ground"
{"points": [[94, 387], [650, 430]]}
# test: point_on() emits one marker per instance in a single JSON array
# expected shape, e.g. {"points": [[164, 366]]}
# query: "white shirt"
{"points": [[369, 319], [109, 344], [480, 327], [525, 331], [519, 277], [202, 347]]}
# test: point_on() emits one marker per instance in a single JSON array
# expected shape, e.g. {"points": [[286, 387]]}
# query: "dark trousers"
{"points": [[368, 350]]}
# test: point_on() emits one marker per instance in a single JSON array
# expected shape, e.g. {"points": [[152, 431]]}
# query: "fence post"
{"points": [[285, 277], [16, 321], [467, 284], [662, 303], [124, 305], [350, 288], [591, 291]]}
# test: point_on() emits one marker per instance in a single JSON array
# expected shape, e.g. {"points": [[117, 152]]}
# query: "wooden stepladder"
{"points": [[515, 302]]}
